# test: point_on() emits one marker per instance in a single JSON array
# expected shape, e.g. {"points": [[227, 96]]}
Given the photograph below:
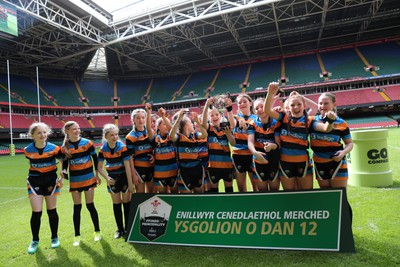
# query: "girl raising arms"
{"points": [[220, 164], [191, 172], [265, 149], [165, 165]]}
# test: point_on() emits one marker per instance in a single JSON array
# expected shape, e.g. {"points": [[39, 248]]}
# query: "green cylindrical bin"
{"points": [[368, 162]]}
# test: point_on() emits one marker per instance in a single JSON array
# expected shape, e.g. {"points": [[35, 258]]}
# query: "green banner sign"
{"points": [[302, 220]]}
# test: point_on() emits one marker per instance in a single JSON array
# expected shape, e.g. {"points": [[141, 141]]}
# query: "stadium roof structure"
{"points": [[63, 37]]}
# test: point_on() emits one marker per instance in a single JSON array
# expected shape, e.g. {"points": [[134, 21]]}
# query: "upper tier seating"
{"points": [[300, 69]]}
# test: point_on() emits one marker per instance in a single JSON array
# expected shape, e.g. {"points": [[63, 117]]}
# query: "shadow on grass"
{"points": [[109, 258], [58, 260]]}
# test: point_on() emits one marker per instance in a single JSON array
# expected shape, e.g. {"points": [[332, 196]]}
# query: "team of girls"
{"points": [[271, 145]]}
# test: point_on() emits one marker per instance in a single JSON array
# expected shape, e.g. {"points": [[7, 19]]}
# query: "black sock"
{"points": [[126, 214], [35, 224], [53, 220], [213, 190], [77, 219], [228, 189], [94, 216], [118, 216]]}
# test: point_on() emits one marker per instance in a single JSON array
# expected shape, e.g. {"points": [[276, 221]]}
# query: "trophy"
{"points": [[221, 102]]}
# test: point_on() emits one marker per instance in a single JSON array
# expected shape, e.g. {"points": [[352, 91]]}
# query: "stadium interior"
{"points": [[178, 54]]}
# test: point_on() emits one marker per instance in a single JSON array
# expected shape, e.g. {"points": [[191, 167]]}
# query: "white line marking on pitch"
{"points": [[395, 147], [11, 188], [12, 200]]}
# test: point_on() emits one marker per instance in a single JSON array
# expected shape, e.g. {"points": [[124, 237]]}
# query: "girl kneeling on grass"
{"points": [[42, 182], [118, 175]]}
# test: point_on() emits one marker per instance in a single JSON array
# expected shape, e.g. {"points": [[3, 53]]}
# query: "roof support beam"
{"points": [[373, 10], [179, 14], [188, 32], [278, 35], [323, 19], [154, 45], [235, 34]]}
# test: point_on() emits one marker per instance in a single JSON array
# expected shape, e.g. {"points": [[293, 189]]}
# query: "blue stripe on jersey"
{"points": [[82, 178], [293, 152], [220, 158], [163, 168]]}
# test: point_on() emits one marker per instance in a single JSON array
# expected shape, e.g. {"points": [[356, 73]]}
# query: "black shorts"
{"points": [[164, 182], [43, 185], [190, 178], [242, 163], [295, 169], [120, 185], [216, 174], [269, 171], [86, 188], [328, 170], [145, 174]]}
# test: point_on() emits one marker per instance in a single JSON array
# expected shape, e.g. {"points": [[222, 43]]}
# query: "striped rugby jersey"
{"points": [[165, 165], [219, 151], [81, 164], [240, 135], [324, 145], [260, 135], [42, 161], [115, 157], [139, 147], [294, 137], [188, 149]]}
